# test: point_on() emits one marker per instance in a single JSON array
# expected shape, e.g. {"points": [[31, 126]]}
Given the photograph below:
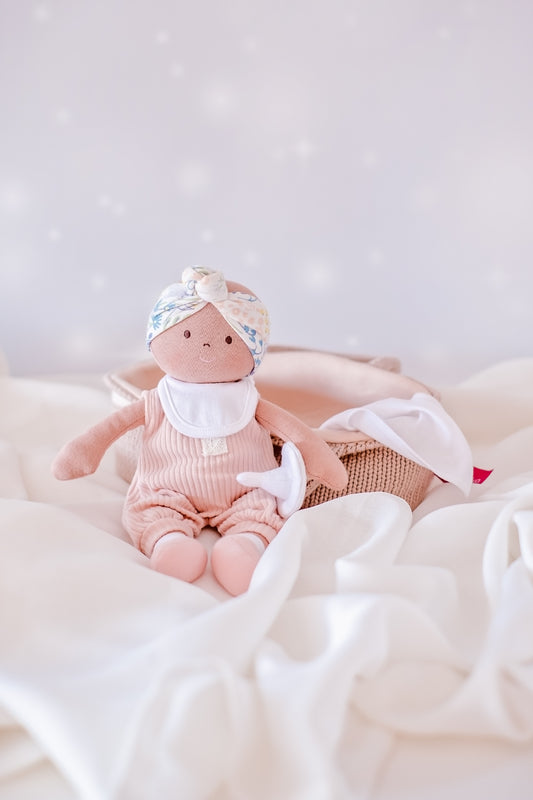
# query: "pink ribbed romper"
{"points": [[183, 485]]}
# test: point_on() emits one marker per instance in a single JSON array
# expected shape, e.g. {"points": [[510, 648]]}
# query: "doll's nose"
{"points": [[206, 344]]}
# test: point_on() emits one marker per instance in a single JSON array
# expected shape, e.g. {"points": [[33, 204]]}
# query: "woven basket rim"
{"points": [[344, 448]]}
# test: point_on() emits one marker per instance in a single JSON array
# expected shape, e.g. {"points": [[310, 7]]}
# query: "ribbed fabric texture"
{"points": [[177, 487]]}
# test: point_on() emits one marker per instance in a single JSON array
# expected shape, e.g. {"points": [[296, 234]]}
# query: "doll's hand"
{"points": [[82, 455], [75, 460]]}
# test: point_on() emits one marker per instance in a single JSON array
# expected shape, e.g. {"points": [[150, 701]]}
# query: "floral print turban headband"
{"points": [[244, 312]]}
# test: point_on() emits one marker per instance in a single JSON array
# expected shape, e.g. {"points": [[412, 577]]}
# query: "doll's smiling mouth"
{"points": [[206, 355]]}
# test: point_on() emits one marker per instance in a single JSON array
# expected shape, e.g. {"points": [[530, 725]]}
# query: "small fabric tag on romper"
{"points": [[215, 447]]}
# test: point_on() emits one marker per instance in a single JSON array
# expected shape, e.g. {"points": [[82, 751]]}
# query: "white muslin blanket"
{"points": [[418, 428], [379, 654]]}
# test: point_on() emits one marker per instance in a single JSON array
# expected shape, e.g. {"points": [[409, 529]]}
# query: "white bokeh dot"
{"points": [[119, 209], [375, 256], [63, 116], [220, 100], [14, 198], [496, 193], [518, 306], [80, 344], [114, 207], [279, 155], [41, 13], [250, 44], [193, 178], [353, 342], [177, 70], [498, 279], [369, 158], [424, 196], [98, 282], [317, 275], [18, 268], [251, 258], [304, 149]]}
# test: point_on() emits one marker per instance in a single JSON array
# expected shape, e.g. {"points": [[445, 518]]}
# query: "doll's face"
{"points": [[203, 348]]}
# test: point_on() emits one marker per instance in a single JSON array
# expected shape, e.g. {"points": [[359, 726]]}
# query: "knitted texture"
{"points": [[371, 467]]}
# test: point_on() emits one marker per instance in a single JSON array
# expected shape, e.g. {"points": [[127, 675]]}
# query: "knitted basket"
{"points": [[312, 385]]}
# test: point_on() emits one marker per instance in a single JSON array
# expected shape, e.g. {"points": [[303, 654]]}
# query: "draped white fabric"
{"points": [[378, 654], [419, 428]]}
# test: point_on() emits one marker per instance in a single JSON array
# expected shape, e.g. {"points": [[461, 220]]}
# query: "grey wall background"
{"points": [[365, 166]]}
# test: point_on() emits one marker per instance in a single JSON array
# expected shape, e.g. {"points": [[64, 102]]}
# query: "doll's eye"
{"points": [[228, 340], [187, 334]]}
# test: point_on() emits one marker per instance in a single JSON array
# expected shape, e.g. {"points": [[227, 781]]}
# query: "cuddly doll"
{"points": [[206, 452]]}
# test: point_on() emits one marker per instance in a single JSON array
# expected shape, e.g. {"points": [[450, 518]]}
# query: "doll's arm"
{"points": [[83, 454], [321, 463]]}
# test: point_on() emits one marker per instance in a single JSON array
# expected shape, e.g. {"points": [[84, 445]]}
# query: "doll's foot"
{"points": [[234, 559], [180, 556]]}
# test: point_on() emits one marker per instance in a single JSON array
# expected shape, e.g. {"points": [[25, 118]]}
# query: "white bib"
{"points": [[208, 410]]}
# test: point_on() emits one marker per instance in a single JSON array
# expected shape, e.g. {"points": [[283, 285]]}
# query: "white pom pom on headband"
{"points": [[199, 285]]}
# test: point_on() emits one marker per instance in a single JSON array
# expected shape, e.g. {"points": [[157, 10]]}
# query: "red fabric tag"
{"points": [[481, 475]]}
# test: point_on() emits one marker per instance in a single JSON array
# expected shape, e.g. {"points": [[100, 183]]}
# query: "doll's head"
{"points": [[207, 330]]}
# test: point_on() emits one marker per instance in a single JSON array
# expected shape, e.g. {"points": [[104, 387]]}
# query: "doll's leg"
{"points": [[254, 511], [180, 556], [246, 529], [234, 559], [166, 534]]}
